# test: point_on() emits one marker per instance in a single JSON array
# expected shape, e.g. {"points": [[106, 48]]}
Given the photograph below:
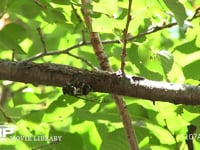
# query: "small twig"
{"points": [[196, 14], [56, 52], [77, 15], [4, 94], [158, 28], [13, 55], [42, 40], [83, 37], [153, 29], [40, 4], [80, 22], [84, 60], [39, 55], [125, 32]]}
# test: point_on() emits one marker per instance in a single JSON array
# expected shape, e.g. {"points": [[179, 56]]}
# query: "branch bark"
{"points": [[58, 75]]}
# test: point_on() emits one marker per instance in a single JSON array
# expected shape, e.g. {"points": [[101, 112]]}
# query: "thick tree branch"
{"points": [[58, 75]]}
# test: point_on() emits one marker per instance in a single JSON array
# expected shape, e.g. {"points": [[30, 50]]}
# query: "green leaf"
{"points": [[144, 52], [162, 134], [7, 43], [3, 6], [143, 135], [103, 7], [188, 47], [178, 10], [62, 2], [63, 100], [54, 16], [160, 62], [25, 98], [192, 70], [115, 140], [137, 111], [26, 7], [34, 116], [154, 65], [14, 112], [58, 110], [134, 58], [103, 24], [90, 125], [69, 141], [167, 60], [83, 114], [19, 30], [191, 114]]}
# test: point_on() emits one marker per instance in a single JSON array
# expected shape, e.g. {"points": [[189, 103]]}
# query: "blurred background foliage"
{"points": [[170, 54]]}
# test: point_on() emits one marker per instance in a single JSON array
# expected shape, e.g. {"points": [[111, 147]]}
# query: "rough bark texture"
{"points": [[58, 75]]}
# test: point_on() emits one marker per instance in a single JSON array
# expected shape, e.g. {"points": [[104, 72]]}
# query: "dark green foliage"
{"points": [[163, 55]]}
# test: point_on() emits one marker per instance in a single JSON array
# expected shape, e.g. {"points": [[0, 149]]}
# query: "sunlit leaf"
{"points": [[178, 10], [103, 7], [167, 60], [154, 64], [158, 131], [192, 70], [109, 141], [98, 24], [144, 52], [25, 98]]}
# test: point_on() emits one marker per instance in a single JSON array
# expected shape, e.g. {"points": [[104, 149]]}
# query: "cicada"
{"points": [[76, 88]]}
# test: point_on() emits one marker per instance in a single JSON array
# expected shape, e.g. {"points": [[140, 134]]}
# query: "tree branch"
{"points": [[58, 75], [125, 32], [56, 52], [83, 60], [104, 64], [95, 39]]}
